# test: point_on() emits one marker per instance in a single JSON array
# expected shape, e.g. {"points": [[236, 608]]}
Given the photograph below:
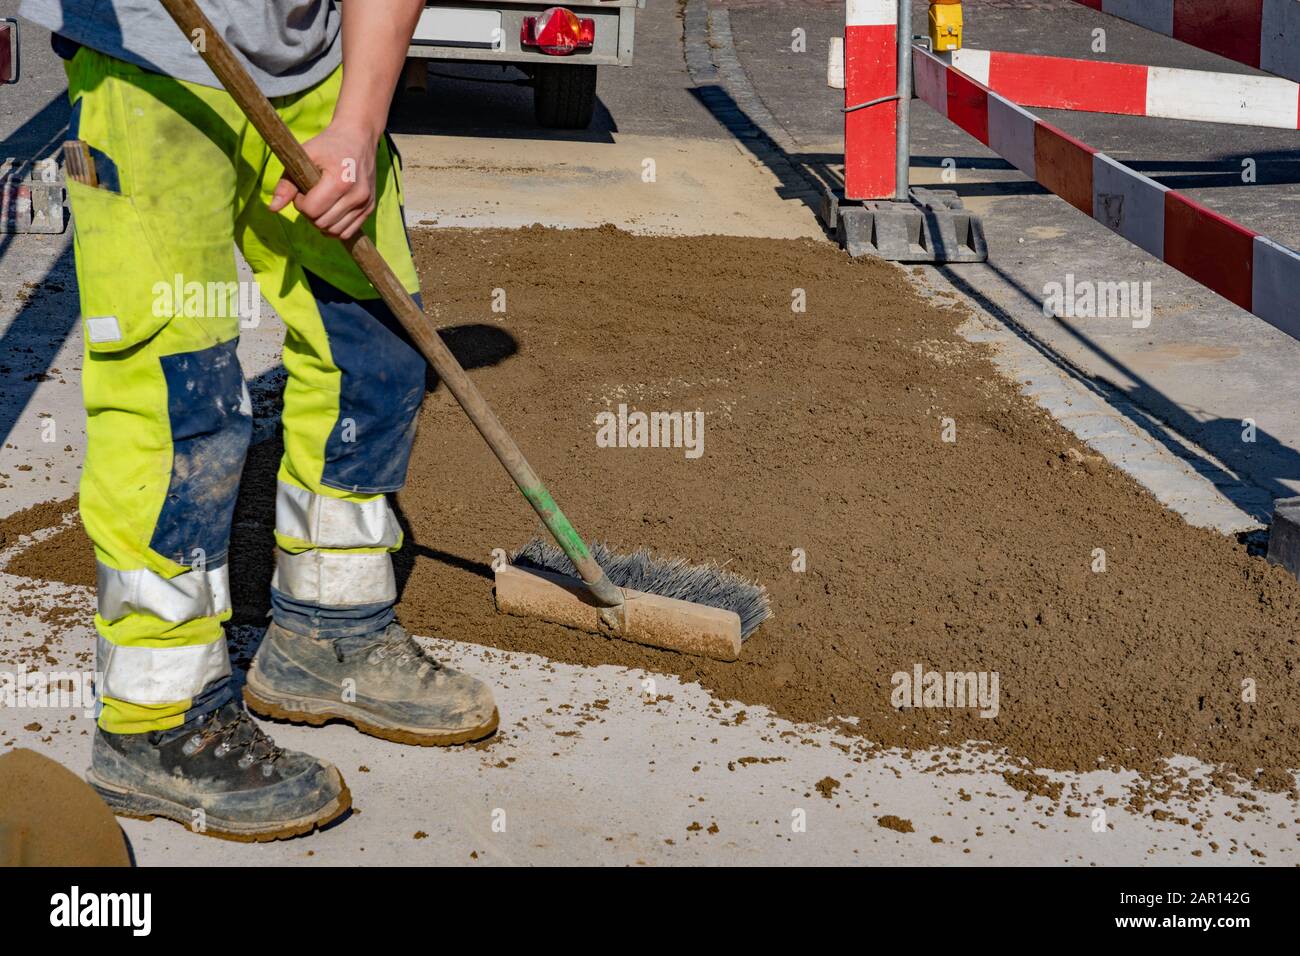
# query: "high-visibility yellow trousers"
{"points": [[183, 180]]}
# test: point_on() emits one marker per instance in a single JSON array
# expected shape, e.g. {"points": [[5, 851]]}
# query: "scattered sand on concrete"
{"points": [[827, 786], [37, 517], [897, 824], [823, 437], [1033, 784]]}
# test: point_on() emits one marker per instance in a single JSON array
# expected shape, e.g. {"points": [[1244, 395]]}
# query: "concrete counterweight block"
{"points": [[933, 227], [1284, 535]]}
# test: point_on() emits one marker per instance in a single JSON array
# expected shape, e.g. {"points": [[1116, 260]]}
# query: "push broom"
{"points": [[702, 610]]}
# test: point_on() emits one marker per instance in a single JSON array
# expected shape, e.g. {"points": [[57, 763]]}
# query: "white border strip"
{"points": [[871, 13], [974, 63], [1222, 97]]}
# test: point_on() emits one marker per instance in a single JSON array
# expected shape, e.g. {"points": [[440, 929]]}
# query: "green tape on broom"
{"points": [[557, 523]]}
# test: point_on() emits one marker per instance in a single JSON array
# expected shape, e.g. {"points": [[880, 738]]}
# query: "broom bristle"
{"points": [[641, 570]]}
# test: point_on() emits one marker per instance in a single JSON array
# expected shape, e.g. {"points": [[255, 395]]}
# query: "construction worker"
{"points": [[182, 179]]}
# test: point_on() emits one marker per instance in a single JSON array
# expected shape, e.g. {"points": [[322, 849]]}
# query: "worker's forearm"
{"points": [[376, 35]]}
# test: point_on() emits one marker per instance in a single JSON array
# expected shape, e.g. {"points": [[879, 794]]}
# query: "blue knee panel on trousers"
{"points": [[382, 385], [211, 430]]}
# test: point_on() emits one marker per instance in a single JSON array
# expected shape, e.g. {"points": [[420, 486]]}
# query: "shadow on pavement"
{"points": [[797, 177], [1239, 470]]}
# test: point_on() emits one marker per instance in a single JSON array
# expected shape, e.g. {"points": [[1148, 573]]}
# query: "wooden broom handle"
{"points": [[302, 172]]}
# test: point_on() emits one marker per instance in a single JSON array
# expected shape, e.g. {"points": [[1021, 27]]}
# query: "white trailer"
{"points": [[557, 47]]}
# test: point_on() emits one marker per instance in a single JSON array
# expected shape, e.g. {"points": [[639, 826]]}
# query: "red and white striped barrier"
{"points": [[1051, 82], [1260, 33], [870, 73], [1239, 264]]}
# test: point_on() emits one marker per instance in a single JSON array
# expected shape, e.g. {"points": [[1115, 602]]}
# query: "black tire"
{"points": [[564, 96]]}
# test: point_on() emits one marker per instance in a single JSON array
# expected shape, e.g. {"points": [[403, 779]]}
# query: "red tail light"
{"points": [[558, 31]]}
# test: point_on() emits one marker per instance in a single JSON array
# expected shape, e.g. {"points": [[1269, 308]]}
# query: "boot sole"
{"points": [[142, 806], [304, 710]]}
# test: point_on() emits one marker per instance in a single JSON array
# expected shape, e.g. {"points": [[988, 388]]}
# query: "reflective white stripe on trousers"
{"points": [[338, 577], [159, 675], [332, 522], [195, 593]]}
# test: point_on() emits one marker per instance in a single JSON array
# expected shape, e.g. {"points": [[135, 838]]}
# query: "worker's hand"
{"points": [[345, 196]]}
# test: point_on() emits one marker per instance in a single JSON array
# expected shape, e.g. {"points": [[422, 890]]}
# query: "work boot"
{"points": [[383, 684], [246, 787]]}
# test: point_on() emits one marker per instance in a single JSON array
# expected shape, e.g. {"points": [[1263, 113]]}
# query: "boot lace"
{"points": [[396, 644], [239, 734]]}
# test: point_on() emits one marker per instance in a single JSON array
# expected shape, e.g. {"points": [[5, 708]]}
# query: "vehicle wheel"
{"points": [[564, 97], [415, 76]]}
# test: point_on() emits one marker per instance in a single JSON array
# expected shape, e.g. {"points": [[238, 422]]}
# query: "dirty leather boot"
{"points": [[247, 788], [384, 684]]}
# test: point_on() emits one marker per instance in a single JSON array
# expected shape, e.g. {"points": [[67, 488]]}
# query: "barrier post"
{"points": [[877, 213], [871, 57], [903, 137]]}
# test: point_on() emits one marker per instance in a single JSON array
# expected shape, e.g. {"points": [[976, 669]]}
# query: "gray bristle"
{"points": [[641, 570]]}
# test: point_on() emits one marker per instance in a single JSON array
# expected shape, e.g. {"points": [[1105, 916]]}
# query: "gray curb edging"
{"points": [[724, 87]]}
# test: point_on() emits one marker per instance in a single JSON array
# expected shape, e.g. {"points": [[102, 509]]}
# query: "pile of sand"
{"points": [[823, 435]]}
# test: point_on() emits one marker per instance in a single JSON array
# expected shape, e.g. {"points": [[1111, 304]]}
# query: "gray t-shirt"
{"points": [[287, 45]]}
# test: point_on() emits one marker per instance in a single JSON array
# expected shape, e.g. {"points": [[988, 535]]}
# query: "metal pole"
{"points": [[903, 156]]}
